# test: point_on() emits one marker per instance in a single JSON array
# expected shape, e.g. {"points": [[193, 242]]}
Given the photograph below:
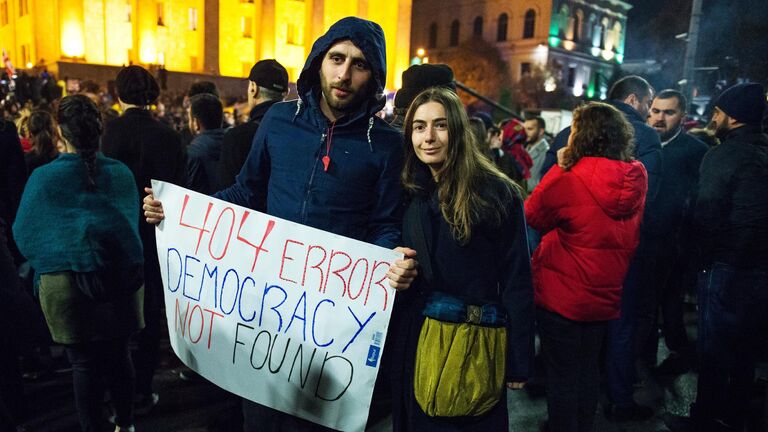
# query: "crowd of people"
{"points": [[589, 239]]}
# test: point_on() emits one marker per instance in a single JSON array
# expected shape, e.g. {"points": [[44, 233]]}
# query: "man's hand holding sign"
{"points": [[285, 315]]}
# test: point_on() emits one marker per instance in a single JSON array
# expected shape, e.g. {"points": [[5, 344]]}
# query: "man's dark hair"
{"points": [[207, 110], [628, 85], [682, 102], [539, 121], [202, 87]]}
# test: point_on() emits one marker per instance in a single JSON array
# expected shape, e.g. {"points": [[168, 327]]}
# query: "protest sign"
{"points": [[285, 315]]}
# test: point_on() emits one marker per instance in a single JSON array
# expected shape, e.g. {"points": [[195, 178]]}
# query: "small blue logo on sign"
{"points": [[373, 356]]}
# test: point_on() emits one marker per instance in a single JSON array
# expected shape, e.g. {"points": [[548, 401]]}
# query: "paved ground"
{"points": [[201, 406]]}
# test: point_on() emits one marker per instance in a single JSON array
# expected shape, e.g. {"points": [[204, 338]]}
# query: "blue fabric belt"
{"points": [[448, 308]]}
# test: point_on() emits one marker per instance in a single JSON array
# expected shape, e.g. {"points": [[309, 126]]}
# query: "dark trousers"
{"points": [[620, 351], [93, 365], [571, 351], [733, 323], [666, 279], [147, 352], [12, 400]]}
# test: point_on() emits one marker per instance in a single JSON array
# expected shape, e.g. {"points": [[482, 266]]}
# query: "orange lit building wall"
{"points": [[173, 33]]}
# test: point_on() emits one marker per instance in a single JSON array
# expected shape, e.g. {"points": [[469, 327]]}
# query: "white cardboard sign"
{"points": [[285, 315]]}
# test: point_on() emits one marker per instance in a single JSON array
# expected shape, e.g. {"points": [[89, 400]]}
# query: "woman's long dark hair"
{"points": [[465, 181], [80, 123], [598, 129], [42, 133]]}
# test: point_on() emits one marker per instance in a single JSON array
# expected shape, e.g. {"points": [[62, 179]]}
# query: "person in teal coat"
{"points": [[77, 216]]}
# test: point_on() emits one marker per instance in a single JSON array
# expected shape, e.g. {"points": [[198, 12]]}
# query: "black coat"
{"points": [[494, 267], [679, 182], [731, 215], [151, 150], [13, 171], [237, 144]]}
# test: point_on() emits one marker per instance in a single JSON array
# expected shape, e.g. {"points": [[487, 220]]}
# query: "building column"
{"points": [[211, 30]]}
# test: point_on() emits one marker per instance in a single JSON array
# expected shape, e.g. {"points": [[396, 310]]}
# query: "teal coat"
{"points": [[64, 227]]}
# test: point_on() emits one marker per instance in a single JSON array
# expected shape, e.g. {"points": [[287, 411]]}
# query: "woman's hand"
{"points": [[560, 154], [402, 273], [515, 385], [153, 209]]}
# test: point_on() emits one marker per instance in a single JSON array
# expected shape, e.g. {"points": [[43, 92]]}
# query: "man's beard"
{"points": [[348, 105], [669, 133], [720, 130]]}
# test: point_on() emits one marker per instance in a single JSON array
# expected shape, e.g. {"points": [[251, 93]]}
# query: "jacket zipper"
{"points": [[311, 179]]}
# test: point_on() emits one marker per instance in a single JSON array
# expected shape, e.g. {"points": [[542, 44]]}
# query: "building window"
{"points": [[4, 13], [246, 26], [529, 26], [161, 14], [571, 76], [25, 56], [525, 69], [454, 33], [293, 35], [432, 36], [501, 33], [193, 19], [477, 27], [23, 7], [578, 22]]}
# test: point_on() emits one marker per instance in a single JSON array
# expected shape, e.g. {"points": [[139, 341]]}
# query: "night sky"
{"points": [[736, 28]]}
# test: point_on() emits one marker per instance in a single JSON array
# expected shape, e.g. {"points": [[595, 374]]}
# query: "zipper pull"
{"points": [[326, 162]]}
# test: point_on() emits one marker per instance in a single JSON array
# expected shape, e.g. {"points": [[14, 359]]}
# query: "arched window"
{"points": [[563, 19], [529, 26], [616, 35], [432, 36], [454, 33], [578, 20], [501, 34], [604, 39], [589, 27], [477, 27]]}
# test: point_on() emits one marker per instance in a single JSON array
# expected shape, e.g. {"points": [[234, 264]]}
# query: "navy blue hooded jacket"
{"points": [[359, 196]]}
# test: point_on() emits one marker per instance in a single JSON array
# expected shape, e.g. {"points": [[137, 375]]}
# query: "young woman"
{"points": [[78, 217], [465, 220], [43, 137], [588, 210]]}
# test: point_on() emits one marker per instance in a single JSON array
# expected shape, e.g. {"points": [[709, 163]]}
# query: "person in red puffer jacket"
{"points": [[588, 209]]}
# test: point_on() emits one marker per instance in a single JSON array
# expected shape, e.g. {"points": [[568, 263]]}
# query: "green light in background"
{"points": [[619, 58], [554, 41]]}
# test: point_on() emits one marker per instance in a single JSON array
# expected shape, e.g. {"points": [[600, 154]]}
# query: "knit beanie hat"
{"points": [[136, 86], [418, 78], [744, 103]]}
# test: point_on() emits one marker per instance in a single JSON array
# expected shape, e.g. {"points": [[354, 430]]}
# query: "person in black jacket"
{"points": [[731, 218], [13, 175], [267, 85], [668, 220], [151, 150]]}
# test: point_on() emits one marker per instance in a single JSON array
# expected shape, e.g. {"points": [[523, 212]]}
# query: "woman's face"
{"points": [[430, 135]]}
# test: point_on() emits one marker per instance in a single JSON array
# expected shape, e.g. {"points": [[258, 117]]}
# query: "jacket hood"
{"points": [[618, 187], [368, 37]]}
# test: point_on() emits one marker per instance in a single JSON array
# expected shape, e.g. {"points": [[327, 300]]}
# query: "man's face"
{"points": [[719, 123], [251, 93], [345, 79], [643, 105], [533, 132], [666, 116]]}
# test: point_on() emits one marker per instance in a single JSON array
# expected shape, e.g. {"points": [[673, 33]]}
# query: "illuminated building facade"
{"points": [[218, 37], [583, 40]]}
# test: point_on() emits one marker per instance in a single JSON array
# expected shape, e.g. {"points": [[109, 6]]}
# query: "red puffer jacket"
{"points": [[589, 218]]}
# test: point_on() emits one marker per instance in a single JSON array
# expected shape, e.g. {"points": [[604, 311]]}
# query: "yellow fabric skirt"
{"points": [[460, 368]]}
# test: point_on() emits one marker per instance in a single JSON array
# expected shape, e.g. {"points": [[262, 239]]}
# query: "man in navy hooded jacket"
{"points": [[327, 161]]}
